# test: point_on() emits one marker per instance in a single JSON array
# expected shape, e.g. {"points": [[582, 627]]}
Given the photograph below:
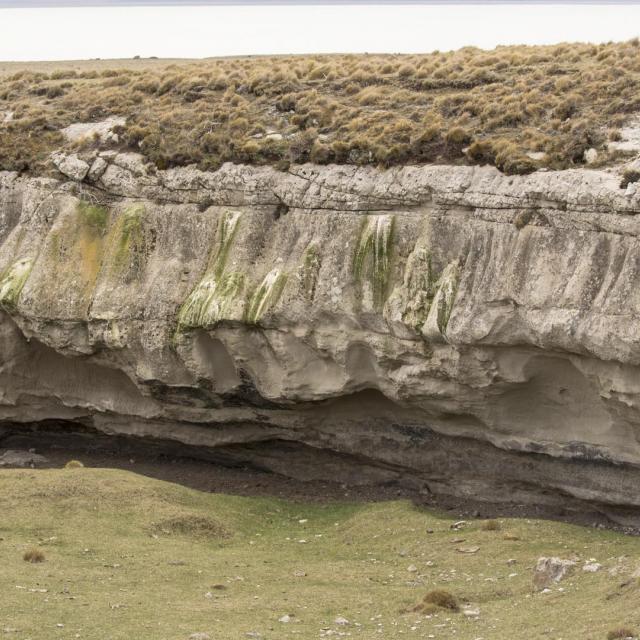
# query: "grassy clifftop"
{"points": [[104, 554], [466, 106]]}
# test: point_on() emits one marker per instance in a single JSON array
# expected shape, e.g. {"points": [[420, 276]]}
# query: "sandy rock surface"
{"points": [[470, 332]]}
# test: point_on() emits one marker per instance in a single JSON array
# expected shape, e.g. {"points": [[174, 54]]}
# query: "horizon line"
{"points": [[54, 4]]}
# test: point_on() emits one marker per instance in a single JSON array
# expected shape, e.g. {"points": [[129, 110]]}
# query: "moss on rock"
{"points": [[373, 255], [12, 282], [92, 215], [130, 239], [212, 298], [418, 287], [228, 227], [310, 269], [265, 296], [435, 326]]}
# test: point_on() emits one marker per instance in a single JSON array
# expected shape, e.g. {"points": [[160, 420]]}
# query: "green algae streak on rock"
{"points": [[447, 327]]}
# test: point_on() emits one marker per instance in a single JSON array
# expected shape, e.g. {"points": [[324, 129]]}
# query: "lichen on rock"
{"points": [[410, 300], [228, 228], [434, 328], [129, 239], [211, 301], [13, 280], [265, 296], [392, 325], [213, 296], [372, 257], [93, 215], [310, 269]]}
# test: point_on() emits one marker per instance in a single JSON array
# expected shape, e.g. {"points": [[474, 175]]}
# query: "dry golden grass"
{"points": [[629, 176], [465, 106], [622, 632], [33, 555], [443, 599], [490, 525], [74, 464]]}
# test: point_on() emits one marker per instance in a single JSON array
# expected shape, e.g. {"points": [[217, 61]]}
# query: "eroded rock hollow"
{"points": [[473, 333]]}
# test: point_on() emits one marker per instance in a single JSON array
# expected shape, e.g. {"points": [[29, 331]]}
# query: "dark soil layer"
{"points": [[180, 465]]}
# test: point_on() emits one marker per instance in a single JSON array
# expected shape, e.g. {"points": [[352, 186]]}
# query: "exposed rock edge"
{"points": [[474, 333]]}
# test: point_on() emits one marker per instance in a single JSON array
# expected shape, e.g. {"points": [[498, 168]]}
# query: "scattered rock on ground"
{"points": [[474, 549], [590, 155], [102, 130], [551, 570], [592, 567], [629, 137], [16, 458]]}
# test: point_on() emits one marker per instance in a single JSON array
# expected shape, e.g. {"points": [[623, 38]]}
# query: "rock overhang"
{"points": [[387, 314]]}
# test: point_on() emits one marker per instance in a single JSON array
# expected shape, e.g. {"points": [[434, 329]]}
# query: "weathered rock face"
{"points": [[450, 326]]}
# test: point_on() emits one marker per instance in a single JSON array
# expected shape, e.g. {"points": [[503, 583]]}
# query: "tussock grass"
{"points": [[628, 177], [443, 599], [465, 106], [33, 555], [622, 632], [74, 464], [190, 525]]}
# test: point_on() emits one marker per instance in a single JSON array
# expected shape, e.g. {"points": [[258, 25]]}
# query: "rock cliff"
{"points": [[471, 333]]}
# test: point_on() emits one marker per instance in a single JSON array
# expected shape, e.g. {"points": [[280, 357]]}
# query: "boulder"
{"points": [[98, 167], [71, 166], [17, 458], [551, 570], [102, 130]]}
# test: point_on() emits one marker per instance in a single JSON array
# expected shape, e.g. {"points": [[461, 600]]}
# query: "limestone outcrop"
{"points": [[472, 333]]}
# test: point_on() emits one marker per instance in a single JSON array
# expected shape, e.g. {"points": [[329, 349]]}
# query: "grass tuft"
{"points": [[442, 598], [622, 633], [491, 525], [73, 464], [190, 525], [33, 555], [628, 177]]}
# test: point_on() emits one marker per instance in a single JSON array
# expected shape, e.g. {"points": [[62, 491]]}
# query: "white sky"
{"points": [[63, 34]]}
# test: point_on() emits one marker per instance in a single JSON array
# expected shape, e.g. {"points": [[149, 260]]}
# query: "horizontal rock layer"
{"points": [[471, 332]]}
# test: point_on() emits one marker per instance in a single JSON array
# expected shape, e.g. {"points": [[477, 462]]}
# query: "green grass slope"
{"points": [[129, 557]]}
